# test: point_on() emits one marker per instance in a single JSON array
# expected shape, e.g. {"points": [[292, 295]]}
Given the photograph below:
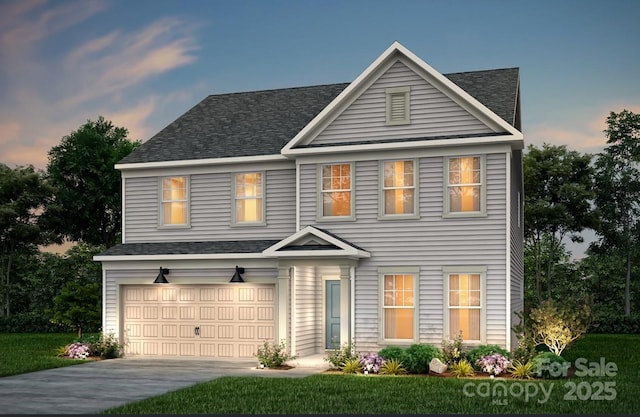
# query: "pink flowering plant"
{"points": [[371, 362], [494, 364], [78, 350]]}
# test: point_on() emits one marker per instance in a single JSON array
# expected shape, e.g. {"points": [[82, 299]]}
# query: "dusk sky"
{"points": [[143, 63]]}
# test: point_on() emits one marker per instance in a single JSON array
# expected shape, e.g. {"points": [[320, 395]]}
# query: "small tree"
{"points": [[558, 326], [78, 305]]}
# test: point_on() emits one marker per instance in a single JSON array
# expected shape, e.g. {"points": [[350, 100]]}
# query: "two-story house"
{"points": [[383, 211]]}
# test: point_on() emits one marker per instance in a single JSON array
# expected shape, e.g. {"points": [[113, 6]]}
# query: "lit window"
{"points": [[464, 184], [175, 203], [249, 190], [465, 306], [398, 188], [398, 306], [336, 190]]}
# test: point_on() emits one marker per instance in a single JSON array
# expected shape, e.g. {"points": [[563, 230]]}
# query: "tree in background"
{"points": [[558, 189], [617, 180], [87, 204], [78, 306], [23, 194]]}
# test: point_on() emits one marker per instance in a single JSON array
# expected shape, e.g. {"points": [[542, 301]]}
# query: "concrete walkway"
{"points": [[96, 386]]}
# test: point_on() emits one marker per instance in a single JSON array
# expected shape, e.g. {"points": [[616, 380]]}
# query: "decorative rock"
{"points": [[437, 366]]}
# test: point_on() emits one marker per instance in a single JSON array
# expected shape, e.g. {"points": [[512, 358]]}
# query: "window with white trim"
{"points": [[174, 201], [398, 305], [465, 303], [464, 185], [335, 190], [398, 105], [398, 188], [249, 200]]}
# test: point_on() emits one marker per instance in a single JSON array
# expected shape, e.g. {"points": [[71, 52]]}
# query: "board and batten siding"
{"points": [[429, 243], [210, 209], [432, 113], [203, 276], [517, 242]]}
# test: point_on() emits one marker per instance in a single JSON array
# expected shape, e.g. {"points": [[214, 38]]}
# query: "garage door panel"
{"points": [[224, 321]]}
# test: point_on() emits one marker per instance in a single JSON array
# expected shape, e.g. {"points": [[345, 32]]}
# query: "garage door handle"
{"points": [[197, 330]]}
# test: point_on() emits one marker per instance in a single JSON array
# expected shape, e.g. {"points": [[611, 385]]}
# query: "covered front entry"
{"points": [[207, 321], [331, 313]]}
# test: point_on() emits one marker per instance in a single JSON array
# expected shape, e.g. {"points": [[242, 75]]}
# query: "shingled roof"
{"points": [[262, 122]]}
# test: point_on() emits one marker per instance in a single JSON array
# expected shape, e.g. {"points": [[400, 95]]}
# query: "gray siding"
{"points": [[432, 113], [517, 242], [210, 207], [306, 311], [429, 243]]}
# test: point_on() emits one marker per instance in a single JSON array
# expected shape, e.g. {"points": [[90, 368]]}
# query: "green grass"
{"points": [[29, 352], [347, 394]]}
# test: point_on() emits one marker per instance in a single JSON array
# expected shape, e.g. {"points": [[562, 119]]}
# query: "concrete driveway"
{"points": [[96, 386]]}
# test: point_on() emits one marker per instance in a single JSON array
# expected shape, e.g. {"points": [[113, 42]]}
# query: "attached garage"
{"points": [[200, 321]]}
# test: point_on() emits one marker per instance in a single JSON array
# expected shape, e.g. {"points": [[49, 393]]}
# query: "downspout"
{"points": [[297, 195], [104, 300], [508, 156]]}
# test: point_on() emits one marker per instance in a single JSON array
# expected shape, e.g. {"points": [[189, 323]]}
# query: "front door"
{"points": [[332, 313]]}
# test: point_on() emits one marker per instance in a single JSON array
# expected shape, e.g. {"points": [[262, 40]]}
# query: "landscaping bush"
{"points": [[481, 351], [272, 356], [557, 325], [340, 354], [393, 367], [32, 322], [371, 362], [106, 347], [462, 368], [548, 365], [417, 358], [453, 351], [526, 350], [493, 364], [392, 352], [614, 323]]}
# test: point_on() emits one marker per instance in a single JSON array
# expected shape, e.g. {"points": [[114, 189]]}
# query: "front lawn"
{"points": [[29, 352], [345, 394]]}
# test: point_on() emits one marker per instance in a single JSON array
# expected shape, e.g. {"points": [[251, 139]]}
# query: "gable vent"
{"points": [[398, 111]]}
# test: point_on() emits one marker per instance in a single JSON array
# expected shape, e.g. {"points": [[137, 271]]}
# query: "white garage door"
{"points": [[212, 321]]}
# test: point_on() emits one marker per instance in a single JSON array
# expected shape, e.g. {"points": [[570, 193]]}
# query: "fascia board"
{"points": [[120, 258], [355, 254], [200, 162], [515, 139], [345, 249]]}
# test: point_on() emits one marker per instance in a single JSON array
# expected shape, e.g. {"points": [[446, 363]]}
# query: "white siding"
{"points": [[306, 310], [210, 207], [429, 243], [432, 113]]}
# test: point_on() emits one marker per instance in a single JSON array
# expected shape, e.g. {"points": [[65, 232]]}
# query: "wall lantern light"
{"points": [[161, 279], [236, 276]]}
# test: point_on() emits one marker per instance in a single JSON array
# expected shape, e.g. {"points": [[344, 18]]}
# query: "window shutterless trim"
{"points": [[320, 217], [447, 213], [234, 198], [478, 270], [415, 188], [161, 201], [401, 270]]}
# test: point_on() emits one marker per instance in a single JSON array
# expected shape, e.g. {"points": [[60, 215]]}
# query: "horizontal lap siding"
{"points": [[517, 244], [429, 243], [210, 208], [432, 113], [306, 312]]}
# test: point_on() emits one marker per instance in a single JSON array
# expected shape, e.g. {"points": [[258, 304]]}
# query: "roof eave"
{"points": [[201, 162]]}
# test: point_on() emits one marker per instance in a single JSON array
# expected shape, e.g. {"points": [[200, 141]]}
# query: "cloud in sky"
{"points": [[54, 91]]}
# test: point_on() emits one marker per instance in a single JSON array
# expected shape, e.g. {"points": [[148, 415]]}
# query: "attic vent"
{"points": [[398, 111]]}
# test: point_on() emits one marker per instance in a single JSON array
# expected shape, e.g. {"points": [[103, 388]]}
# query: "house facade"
{"points": [[383, 211]]}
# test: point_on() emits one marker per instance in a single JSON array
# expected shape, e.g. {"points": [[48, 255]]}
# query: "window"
{"points": [[398, 110], [398, 188], [175, 201], [249, 205], [464, 185], [336, 190], [465, 303], [398, 305]]}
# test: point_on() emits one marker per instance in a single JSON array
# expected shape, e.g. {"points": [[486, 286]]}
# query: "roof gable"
{"points": [[314, 242], [381, 66]]}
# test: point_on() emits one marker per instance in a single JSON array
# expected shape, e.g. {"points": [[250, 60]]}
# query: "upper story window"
{"points": [[464, 185], [249, 200], [398, 105], [399, 188], [398, 303], [174, 201], [336, 192]]}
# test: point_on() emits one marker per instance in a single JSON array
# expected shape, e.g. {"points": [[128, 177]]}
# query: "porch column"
{"points": [[284, 279], [345, 300]]}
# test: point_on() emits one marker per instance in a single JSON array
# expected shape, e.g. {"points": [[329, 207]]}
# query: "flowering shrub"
{"points": [[371, 362], [494, 364], [452, 351], [78, 350]]}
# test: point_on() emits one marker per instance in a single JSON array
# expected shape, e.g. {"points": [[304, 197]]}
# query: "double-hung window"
{"points": [[464, 185], [249, 200], [399, 197], [174, 201], [398, 303], [465, 303], [336, 195]]}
